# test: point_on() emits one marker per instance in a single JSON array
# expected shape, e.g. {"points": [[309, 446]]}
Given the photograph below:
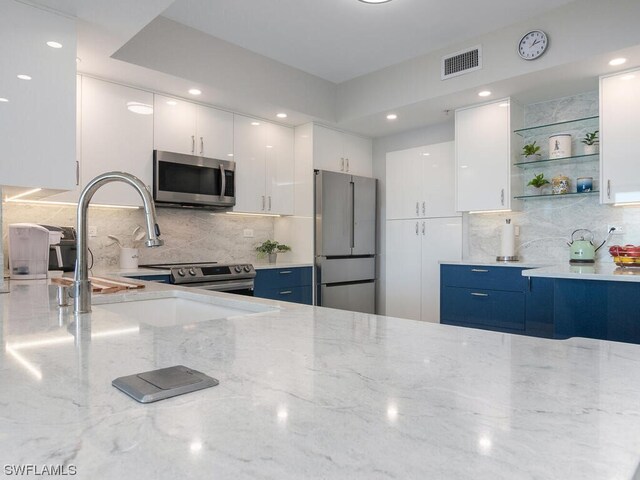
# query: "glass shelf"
{"points": [[557, 161], [548, 195], [552, 127]]}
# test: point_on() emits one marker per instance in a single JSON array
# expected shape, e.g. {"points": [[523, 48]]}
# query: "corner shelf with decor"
{"points": [[579, 166]]}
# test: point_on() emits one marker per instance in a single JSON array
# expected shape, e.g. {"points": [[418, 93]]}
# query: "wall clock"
{"points": [[533, 44]]}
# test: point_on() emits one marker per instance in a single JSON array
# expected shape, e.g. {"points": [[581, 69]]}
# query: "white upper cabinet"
{"points": [[420, 182], [116, 136], [264, 166], [619, 120], [484, 154], [341, 152], [37, 114], [191, 129], [174, 125]]}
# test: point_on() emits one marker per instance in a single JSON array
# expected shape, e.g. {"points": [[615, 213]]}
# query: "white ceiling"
{"points": [[341, 39]]}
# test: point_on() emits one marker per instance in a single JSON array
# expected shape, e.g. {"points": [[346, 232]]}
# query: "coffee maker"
{"points": [[62, 255], [29, 251]]}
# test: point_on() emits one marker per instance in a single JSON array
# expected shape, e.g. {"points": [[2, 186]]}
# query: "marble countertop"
{"points": [[308, 392], [490, 263], [598, 271]]}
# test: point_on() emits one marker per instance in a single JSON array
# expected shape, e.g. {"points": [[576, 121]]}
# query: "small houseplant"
{"points": [[271, 248], [530, 152], [591, 142], [537, 182]]}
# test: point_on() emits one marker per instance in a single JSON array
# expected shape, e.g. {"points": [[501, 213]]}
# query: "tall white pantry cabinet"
{"points": [[422, 228]]}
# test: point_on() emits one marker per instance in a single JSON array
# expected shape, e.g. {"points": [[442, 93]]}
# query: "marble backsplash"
{"points": [[189, 235], [546, 224]]}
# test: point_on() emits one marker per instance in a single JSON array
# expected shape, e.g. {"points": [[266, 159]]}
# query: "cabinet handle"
{"points": [[193, 144], [263, 202], [269, 202], [479, 270], [347, 164], [77, 172], [423, 228], [417, 228], [417, 209], [286, 272], [342, 164], [201, 146], [502, 197], [476, 294], [286, 292], [424, 209], [609, 189]]}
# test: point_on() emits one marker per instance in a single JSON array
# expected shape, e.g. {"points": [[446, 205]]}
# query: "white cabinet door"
{"points": [[438, 180], [250, 145], [115, 138], [441, 241], [214, 137], [38, 118], [174, 125], [403, 269], [483, 157], [358, 154], [619, 120], [279, 169], [328, 153], [404, 184]]}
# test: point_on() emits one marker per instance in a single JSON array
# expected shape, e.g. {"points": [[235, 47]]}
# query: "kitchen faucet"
{"points": [[82, 284]]}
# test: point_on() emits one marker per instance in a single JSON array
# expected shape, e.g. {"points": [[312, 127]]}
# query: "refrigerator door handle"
{"points": [[352, 199]]}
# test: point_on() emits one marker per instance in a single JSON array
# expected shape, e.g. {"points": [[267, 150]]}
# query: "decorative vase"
{"points": [[584, 184], [560, 185], [560, 145], [273, 257], [591, 149], [531, 158]]}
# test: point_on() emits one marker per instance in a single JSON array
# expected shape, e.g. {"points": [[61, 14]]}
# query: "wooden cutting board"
{"points": [[102, 285]]}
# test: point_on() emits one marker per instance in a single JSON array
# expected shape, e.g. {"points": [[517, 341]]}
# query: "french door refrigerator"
{"points": [[345, 241]]}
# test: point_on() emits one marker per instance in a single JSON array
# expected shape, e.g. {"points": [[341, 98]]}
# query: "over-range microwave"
{"points": [[188, 180]]}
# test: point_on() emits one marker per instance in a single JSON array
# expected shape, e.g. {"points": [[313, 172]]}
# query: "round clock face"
{"points": [[532, 45]]}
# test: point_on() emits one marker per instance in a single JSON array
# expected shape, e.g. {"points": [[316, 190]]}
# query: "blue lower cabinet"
{"points": [[539, 301], [490, 309], [284, 284], [597, 309]]}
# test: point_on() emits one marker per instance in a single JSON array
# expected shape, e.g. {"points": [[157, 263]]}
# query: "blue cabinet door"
{"points": [[285, 284], [539, 307]]}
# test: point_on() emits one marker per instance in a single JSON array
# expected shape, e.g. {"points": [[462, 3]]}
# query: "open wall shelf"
{"points": [[553, 127], [558, 161]]}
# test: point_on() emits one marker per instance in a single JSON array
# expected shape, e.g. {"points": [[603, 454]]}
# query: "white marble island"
{"points": [[313, 393]]}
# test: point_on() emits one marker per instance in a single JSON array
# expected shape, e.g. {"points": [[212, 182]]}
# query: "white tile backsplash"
{"points": [[189, 235], [546, 224]]}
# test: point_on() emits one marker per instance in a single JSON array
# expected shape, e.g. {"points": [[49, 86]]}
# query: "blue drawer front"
{"points": [[300, 294], [492, 309], [480, 276]]}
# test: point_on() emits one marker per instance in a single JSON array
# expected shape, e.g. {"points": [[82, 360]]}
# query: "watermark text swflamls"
{"points": [[40, 470]]}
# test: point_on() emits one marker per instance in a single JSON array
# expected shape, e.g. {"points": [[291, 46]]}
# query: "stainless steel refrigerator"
{"points": [[345, 241]]}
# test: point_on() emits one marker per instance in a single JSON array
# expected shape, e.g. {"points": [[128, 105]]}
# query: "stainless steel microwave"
{"points": [[188, 180]]}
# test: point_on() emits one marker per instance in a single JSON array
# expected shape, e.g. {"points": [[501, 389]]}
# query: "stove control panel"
{"points": [[211, 273]]}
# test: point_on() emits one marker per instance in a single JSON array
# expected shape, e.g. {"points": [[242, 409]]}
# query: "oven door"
{"points": [[190, 180], [239, 287]]}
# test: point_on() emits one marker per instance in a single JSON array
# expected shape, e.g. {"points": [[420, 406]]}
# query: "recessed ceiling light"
{"points": [[281, 115], [617, 61], [484, 93], [426, 154], [54, 44], [3, 100], [269, 146], [229, 154], [194, 91], [173, 103], [255, 124], [392, 116], [140, 108], [78, 59], [24, 77], [627, 77], [375, 1]]}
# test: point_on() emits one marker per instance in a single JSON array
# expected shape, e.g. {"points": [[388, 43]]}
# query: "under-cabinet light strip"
{"points": [[49, 202]]}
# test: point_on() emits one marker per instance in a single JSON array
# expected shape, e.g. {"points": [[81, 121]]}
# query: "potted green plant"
{"points": [[591, 142], [530, 152], [537, 182], [271, 248]]}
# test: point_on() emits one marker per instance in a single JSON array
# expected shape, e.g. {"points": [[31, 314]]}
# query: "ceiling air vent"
{"points": [[462, 62]]}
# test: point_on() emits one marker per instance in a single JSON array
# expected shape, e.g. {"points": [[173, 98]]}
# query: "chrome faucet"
{"points": [[81, 284]]}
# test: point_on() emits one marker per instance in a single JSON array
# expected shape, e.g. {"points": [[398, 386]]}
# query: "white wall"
{"points": [[413, 138]]}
